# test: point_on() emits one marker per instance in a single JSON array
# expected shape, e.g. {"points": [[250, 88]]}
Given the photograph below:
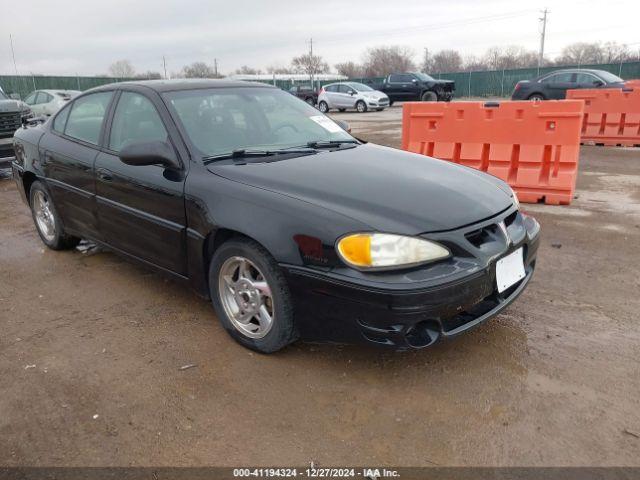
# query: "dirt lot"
{"points": [[91, 348]]}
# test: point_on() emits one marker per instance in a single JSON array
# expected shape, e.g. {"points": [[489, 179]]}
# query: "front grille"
{"points": [[9, 123]]}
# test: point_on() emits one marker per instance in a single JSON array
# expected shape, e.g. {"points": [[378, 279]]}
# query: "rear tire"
{"points": [[47, 221], [361, 107], [254, 284], [323, 106], [429, 97]]}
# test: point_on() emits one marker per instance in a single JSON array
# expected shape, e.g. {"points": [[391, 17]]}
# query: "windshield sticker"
{"points": [[326, 123]]}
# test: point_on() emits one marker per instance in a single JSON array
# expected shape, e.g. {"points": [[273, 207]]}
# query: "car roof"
{"points": [[59, 91], [574, 70], [182, 84]]}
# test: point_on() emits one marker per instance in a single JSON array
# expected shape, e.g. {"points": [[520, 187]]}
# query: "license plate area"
{"points": [[510, 270]]}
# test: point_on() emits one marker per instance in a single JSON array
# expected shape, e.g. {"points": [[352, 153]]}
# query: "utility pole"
{"points": [[425, 66], [164, 65], [311, 62], [215, 67], [13, 54], [543, 19]]}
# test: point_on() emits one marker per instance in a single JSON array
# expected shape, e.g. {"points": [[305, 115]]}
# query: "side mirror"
{"points": [[352, 92], [598, 83], [344, 125], [149, 153]]}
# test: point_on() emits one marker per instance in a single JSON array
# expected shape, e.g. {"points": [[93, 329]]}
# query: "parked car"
{"points": [[344, 95], [292, 227], [48, 102], [306, 93], [554, 85], [416, 86], [12, 113]]}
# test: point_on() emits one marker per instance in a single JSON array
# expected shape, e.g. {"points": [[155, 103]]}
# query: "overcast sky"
{"points": [[68, 37]]}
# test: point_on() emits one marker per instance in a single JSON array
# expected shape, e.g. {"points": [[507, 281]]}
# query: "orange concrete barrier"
{"points": [[632, 83], [611, 115], [533, 146]]}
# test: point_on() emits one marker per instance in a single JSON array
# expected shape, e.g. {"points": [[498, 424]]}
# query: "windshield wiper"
{"points": [[329, 143], [244, 153]]}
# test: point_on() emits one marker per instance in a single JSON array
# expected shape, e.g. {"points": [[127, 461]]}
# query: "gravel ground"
{"points": [[91, 350]]}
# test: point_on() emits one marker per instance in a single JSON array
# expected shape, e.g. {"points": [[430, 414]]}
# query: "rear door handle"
{"points": [[104, 175]]}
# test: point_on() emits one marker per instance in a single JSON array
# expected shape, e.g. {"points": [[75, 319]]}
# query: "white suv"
{"points": [[345, 95]]}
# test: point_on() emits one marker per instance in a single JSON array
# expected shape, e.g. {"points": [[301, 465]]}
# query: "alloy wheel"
{"points": [[246, 297], [44, 215]]}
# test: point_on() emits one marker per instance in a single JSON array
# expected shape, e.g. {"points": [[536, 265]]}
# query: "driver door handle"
{"points": [[104, 175]]}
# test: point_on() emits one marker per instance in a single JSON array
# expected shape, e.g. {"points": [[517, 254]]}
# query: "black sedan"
{"points": [[554, 85], [292, 227]]}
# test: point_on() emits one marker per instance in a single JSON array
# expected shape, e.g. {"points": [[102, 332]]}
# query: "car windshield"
{"points": [[360, 87], [610, 77], [221, 120], [424, 77]]}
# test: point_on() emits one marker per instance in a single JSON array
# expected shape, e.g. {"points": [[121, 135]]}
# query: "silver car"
{"points": [[48, 102], [345, 95]]}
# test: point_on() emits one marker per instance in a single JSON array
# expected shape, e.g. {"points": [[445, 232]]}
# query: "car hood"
{"points": [[388, 189], [12, 106]]}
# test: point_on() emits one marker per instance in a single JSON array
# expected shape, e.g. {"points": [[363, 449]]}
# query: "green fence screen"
{"points": [[493, 83], [24, 84]]}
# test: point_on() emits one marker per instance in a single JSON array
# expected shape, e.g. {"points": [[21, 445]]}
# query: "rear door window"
{"points": [[559, 78], [61, 119], [344, 89], [87, 116]]}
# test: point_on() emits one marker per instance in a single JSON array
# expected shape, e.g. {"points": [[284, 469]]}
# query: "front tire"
{"points": [[536, 97], [361, 107], [251, 297], [323, 106], [47, 220], [429, 97]]}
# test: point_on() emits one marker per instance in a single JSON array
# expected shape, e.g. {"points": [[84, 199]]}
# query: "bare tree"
{"points": [[149, 75], [446, 61], [512, 56], [381, 61], [122, 69], [198, 70], [581, 53], [309, 64], [349, 69], [279, 69], [246, 70]]}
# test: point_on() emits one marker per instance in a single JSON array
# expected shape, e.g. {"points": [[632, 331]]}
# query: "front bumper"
{"points": [[377, 103], [331, 309], [7, 154]]}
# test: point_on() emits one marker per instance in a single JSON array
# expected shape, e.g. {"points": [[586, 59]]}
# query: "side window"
{"points": [[86, 117], [395, 79], [586, 79], [344, 89], [135, 120], [61, 119], [331, 88], [42, 97], [558, 78], [31, 99]]}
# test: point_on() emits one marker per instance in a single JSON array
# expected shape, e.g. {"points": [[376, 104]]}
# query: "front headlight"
{"points": [[384, 250]]}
